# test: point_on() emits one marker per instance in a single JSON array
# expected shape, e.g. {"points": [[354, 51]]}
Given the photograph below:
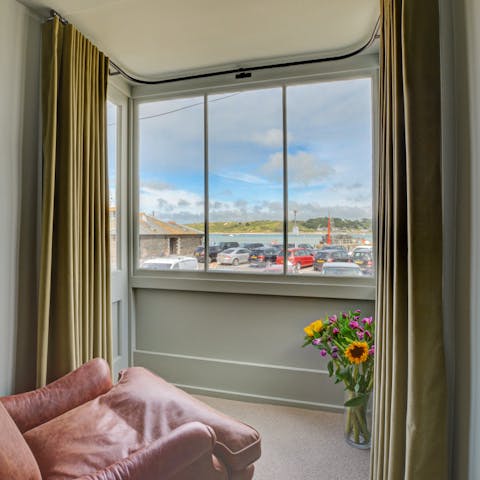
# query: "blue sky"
{"points": [[329, 154], [112, 149]]}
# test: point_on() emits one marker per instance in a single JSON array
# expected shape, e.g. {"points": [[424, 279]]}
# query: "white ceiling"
{"points": [[158, 38]]}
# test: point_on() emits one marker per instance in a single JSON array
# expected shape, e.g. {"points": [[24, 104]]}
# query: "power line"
{"points": [[187, 106]]}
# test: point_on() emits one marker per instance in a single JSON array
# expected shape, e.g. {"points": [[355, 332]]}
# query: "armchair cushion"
{"points": [[31, 409], [16, 459], [238, 444]]}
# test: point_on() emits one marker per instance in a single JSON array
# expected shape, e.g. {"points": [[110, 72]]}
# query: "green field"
{"points": [[276, 226]]}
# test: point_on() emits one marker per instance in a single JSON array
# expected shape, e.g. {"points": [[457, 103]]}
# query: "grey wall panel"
{"points": [[20, 41], [243, 329], [308, 388]]}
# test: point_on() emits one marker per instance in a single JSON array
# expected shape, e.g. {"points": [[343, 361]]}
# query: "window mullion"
{"points": [[205, 179], [285, 181]]}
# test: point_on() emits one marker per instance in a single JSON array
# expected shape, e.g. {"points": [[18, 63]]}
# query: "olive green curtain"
{"points": [[410, 437], [74, 322]]}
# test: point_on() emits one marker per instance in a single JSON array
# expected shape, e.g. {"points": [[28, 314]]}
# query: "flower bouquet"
{"points": [[348, 342]]}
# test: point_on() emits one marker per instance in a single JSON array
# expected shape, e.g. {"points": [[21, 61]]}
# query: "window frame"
{"points": [[245, 283], [120, 101]]}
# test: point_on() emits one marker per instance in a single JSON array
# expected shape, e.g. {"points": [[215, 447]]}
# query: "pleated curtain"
{"points": [[74, 322], [410, 399]]}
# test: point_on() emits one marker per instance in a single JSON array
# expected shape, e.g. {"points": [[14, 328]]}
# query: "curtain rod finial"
{"points": [[54, 13]]}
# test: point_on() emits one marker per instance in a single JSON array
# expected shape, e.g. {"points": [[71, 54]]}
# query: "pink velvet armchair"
{"points": [[142, 428]]}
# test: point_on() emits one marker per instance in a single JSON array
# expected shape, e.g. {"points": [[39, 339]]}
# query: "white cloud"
{"points": [[184, 206], [303, 168], [243, 177], [269, 138], [171, 203]]}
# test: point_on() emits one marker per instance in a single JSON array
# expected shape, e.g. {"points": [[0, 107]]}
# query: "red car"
{"points": [[298, 257]]}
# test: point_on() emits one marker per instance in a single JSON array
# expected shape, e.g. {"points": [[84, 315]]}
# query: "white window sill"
{"points": [[302, 286]]}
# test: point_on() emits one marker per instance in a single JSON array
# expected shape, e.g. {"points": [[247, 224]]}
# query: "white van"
{"points": [[171, 263]]}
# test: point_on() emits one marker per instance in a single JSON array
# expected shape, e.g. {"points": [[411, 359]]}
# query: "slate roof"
{"points": [[149, 225]]}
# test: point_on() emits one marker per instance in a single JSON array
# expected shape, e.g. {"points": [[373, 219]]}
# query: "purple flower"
{"points": [[316, 341], [367, 320], [360, 334], [334, 355], [353, 324], [344, 315], [334, 349], [372, 350], [368, 334], [335, 331], [357, 311], [323, 352], [332, 319]]}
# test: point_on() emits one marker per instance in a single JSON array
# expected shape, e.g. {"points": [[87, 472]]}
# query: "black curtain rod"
{"points": [[241, 72]]}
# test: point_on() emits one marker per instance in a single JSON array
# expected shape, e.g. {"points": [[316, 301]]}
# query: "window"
{"points": [[269, 181], [112, 156], [171, 192]]}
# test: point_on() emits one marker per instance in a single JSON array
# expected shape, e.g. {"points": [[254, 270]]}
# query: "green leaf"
{"points": [[356, 401], [330, 368]]}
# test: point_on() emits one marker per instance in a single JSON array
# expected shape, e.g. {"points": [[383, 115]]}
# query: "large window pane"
{"points": [[328, 215], [112, 155], [330, 177], [246, 180], [171, 184]]}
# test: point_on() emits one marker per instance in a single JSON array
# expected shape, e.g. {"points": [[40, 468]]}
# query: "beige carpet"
{"points": [[298, 444]]}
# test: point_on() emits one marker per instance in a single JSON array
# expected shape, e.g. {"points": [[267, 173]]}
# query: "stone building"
{"points": [[159, 239]]}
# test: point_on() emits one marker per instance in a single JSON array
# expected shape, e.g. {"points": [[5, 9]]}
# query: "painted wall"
{"points": [[19, 94], [240, 346], [466, 34]]}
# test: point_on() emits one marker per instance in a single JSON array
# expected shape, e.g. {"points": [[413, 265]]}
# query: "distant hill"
{"points": [[313, 224], [276, 226]]}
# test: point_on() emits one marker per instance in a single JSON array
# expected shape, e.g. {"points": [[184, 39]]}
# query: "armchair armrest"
{"points": [[34, 408], [165, 457]]}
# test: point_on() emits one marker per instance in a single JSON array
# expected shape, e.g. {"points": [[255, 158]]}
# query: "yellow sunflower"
{"points": [[357, 352]]}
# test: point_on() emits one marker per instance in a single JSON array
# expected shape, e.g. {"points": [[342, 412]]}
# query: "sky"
{"points": [[112, 149], [329, 145]]}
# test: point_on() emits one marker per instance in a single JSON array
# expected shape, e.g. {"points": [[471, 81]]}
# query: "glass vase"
{"points": [[358, 421]]}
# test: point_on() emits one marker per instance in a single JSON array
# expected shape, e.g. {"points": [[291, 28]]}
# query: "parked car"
{"points": [[364, 259], [252, 246], [213, 251], [233, 256], [341, 269], [362, 248], [224, 245], [333, 247], [281, 247], [263, 255], [329, 256], [171, 263], [298, 257], [277, 268]]}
